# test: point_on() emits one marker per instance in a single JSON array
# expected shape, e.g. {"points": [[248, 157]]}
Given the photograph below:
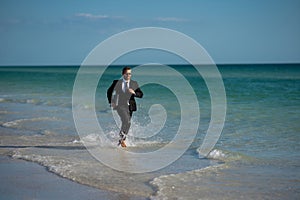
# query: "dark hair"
{"points": [[125, 69]]}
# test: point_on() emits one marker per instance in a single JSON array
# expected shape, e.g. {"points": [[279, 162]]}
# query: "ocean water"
{"points": [[256, 157]]}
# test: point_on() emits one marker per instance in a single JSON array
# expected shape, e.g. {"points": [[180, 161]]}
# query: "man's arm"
{"points": [[110, 91], [138, 91]]}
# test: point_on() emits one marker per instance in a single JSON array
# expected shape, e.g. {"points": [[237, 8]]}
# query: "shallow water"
{"points": [[257, 155], [27, 180]]}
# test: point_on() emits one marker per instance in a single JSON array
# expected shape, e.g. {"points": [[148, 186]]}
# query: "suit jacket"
{"points": [[124, 98]]}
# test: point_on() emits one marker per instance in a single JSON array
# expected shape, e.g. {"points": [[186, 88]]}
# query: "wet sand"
{"points": [[20, 179]]}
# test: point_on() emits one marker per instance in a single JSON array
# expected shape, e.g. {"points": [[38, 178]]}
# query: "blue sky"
{"points": [[63, 32]]}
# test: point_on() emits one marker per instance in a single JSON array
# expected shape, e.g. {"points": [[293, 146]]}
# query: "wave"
{"points": [[71, 160], [225, 155], [51, 101], [17, 123], [44, 139], [133, 144], [187, 185], [66, 157], [229, 180], [191, 184], [79, 166], [29, 101]]}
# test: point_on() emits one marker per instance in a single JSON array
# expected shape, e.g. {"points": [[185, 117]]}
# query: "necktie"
{"points": [[125, 86]]}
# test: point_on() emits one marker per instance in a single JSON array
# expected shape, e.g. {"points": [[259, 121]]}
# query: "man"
{"points": [[125, 90]]}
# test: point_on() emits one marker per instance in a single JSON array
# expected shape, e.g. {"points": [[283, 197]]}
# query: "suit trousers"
{"points": [[125, 115]]}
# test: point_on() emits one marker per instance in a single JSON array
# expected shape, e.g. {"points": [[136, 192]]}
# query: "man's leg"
{"points": [[125, 116]]}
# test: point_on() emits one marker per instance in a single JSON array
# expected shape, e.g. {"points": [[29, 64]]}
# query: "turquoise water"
{"points": [[259, 142]]}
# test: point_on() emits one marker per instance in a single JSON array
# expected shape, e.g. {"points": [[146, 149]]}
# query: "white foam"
{"points": [[187, 185], [94, 139], [19, 100], [62, 167], [91, 138], [111, 139], [32, 101], [80, 166], [12, 123], [225, 156], [18, 122], [76, 141], [217, 154]]}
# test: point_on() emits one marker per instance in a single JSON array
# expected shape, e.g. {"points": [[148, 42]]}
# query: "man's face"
{"points": [[127, 75]]}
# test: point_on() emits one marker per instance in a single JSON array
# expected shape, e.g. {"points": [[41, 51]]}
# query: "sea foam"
{"points": [[18, 122]]}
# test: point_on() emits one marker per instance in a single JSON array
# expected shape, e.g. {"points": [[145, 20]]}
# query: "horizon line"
{"points": [[77, 65]]}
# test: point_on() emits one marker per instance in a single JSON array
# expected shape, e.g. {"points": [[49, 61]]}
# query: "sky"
{"points": [[64, 32]]}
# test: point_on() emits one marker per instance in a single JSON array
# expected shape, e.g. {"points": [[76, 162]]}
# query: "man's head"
{"points": [[126, 73]]}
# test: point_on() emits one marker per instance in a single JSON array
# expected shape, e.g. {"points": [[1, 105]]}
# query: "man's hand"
{"points": [[131, 91]]}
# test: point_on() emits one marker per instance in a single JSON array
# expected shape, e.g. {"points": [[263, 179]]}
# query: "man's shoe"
{"points": [[122, 140], [122, 143]]}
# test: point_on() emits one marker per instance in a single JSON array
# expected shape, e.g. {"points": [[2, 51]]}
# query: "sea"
{"points": [[257, 155]]}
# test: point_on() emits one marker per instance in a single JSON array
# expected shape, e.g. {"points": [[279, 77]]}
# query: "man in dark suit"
{"points": [[121, 96]]}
